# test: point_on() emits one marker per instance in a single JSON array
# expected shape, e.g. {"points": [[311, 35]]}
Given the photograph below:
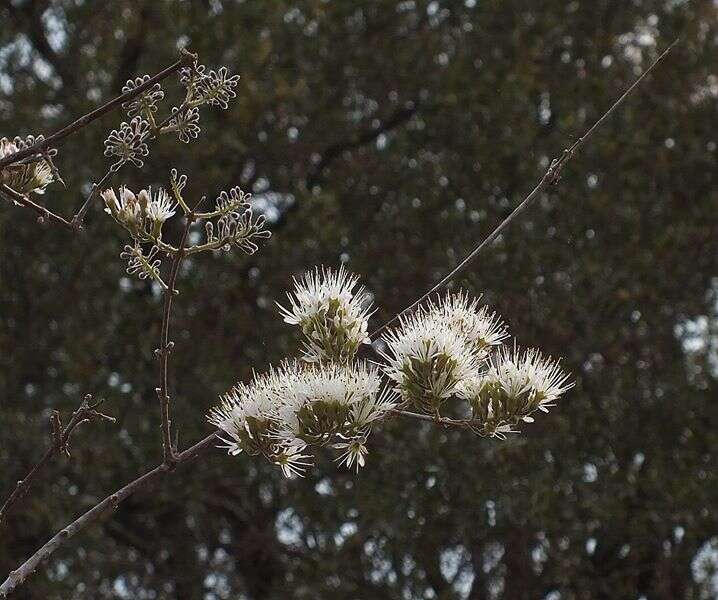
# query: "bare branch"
{"points": [[22, 199], [551, 177], [60, 444], [111, 502], [335, 150], [166, 345]]}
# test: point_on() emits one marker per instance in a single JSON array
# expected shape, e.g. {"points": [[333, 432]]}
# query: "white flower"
{"points": [[355, 452], [332, 314], [516, 384], [7, 147], [160, 207], [477, 324], [127, 209], [373, 407], [292, 462], [547, 380], [427, 360]]}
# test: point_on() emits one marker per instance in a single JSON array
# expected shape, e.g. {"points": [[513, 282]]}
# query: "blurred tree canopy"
{"points": [[392, 136]]}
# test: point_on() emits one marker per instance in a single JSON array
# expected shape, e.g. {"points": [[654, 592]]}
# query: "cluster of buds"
{"points": [[142, 214], [33, 174], [129, 143], [282, 413]]}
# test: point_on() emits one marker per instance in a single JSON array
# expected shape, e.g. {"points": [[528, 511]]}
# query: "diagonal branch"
{"points": [[111, 502], [60, 440], [23, 200], [185, 60], [18, 576], [551, 177]]}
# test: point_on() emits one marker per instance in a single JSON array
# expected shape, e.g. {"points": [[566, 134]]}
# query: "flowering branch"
{"points": [[186, 60], [326, 400], [60, 444]]}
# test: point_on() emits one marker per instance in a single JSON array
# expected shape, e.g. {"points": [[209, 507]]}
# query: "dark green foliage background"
{"points": [[403, 132]]}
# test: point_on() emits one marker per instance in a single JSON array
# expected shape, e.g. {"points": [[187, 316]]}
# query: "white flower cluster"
{"points": [[280, 414], [332, 313], [440, 346], [516, 384], [452, 349], [448, 350], [142, 214], [32, 175]]}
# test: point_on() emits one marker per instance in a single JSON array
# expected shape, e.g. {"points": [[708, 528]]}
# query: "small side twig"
{"points": [[169, 451], [86, 412], [96, 187], [45, 214]]}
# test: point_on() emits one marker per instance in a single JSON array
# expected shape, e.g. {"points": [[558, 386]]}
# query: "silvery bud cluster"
{"points": [[142, 214], [33, 174]]}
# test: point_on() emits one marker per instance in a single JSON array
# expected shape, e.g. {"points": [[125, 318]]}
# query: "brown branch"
{"points": [[22, 199], [111, 502], [80, 214], [166, 345], [185, 60], [551, 177], [60, 444]]}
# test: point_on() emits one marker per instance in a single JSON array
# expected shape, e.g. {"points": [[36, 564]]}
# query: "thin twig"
{"points": [[186, 59], [25, 201], [437, 420], [551, 176], [31, 564], [96, 187], [60, 440], [111, 502], [166, 345]]}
